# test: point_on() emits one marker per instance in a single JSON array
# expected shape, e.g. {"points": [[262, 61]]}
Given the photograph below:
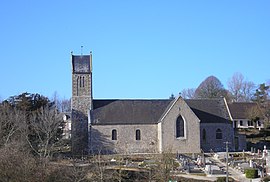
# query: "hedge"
{"points": [[251, 173]]}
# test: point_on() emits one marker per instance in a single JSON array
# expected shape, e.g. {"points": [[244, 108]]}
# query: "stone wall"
{"points": [[81, 85], [188, 144], [126, 143], [211, 143], [80, 103]]}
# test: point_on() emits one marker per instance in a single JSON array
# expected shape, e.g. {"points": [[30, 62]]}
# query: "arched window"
{"points": [[218, 134], [114, 134], [80, 81], [83, 81], [204, 135], [138, 134], [180, 127], [77, 88]]}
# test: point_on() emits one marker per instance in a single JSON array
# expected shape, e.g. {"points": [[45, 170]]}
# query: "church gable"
{"points": [[178, 128]]}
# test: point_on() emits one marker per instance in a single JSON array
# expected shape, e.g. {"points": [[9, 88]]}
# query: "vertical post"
{"points": [[81, 50], [227, 159]]}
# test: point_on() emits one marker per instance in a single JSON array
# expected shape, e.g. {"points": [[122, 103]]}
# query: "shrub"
{"points": [[267, 178], [251, 173], [223, 179]]}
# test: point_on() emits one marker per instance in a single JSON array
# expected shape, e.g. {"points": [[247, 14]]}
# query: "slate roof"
{"points": [[81, 64], [240, 110], [209, 110], [117, 111], [110, 112]]}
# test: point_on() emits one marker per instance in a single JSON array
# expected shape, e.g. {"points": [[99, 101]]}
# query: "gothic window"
{"points": [[138, 134], [218, 134], [83, 81], [114, 134], [204, 135], [180, 127], [80, 81]]}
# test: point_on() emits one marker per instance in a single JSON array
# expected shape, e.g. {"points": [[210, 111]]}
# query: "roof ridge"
{"points": [[199, 99], [134, 99]]}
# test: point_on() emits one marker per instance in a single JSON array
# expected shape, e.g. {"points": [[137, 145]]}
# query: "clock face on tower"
{"points": [[81, 64]]}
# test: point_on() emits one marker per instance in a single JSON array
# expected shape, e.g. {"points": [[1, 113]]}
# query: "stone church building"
{"points": [[130, 126]]}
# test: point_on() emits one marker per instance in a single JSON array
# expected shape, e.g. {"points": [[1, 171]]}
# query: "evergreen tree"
{"points": [[261, 94], [261, 97]]}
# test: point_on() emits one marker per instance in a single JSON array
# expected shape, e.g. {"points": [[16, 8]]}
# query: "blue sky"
{"points": [[141, 49]]}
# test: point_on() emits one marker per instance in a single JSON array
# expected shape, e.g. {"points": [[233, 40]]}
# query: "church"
{"points": [[136, 126]]}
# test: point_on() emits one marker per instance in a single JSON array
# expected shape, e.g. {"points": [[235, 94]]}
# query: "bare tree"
{"points": [[10, 119], [248, 91], [17, 164], [164, 165], [188, 93], [62, 104], [99, 165], [211, 87], [65, 105], [45, 130], [240, 89], [235, 85]]}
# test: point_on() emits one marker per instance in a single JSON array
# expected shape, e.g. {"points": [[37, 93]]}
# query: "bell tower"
{"points": [[81, 101]]}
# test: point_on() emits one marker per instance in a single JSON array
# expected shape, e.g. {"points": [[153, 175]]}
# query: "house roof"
{"points": [[117, 111], [240, 110]]}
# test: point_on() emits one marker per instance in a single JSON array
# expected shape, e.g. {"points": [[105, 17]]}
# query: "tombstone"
{"points": [[264, 152], [268, 163], [250, 163]]}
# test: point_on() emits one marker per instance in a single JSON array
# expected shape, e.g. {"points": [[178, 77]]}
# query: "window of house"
{"points": [[235, 123], [114, 134], [80, 81], [138, 134], [218, 134], [259, 123], [241, 123], [180, 127], [204, 135], [83, 81], [249, 123]]}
